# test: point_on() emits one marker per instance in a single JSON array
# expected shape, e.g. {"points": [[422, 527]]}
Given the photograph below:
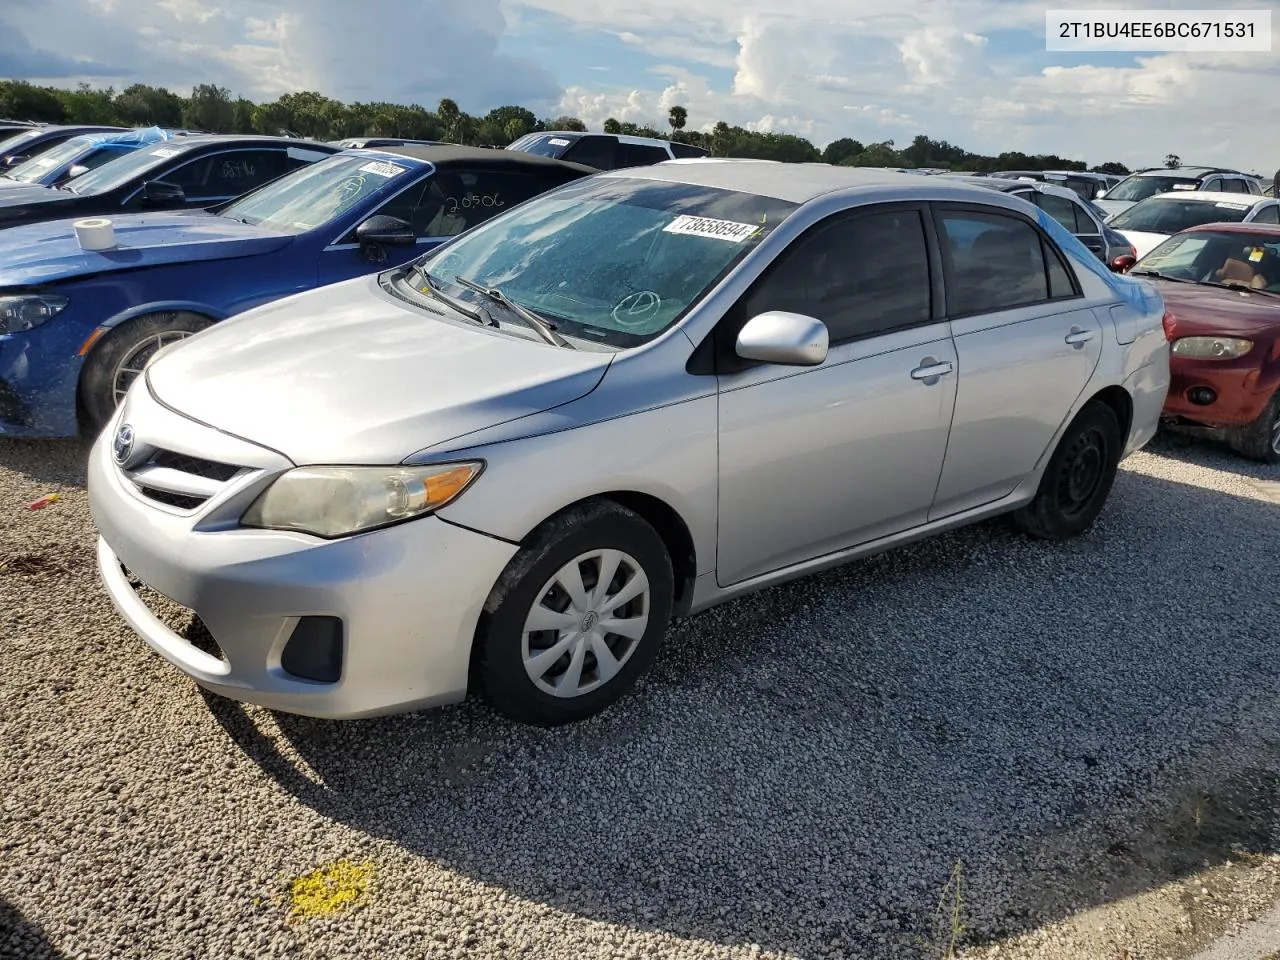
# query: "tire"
{"points": [[118, 356], [1078, 479], [506, 668], [1260, 440]]}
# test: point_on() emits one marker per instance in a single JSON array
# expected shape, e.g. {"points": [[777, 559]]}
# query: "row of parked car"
{"points": [[411, 420]]}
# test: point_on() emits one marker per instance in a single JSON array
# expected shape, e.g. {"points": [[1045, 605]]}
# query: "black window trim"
{"points": [[713, 355], [1047, 246]]}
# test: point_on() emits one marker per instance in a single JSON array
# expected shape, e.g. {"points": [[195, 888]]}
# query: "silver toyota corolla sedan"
{"points": [[510, 463]]}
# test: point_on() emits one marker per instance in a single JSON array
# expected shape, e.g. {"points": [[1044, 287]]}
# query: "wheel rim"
{"points": [[1083, 471], [131, 364], [586, 623], [1275, 434]]}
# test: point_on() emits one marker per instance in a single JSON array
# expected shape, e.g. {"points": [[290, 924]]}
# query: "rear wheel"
{"points": [[1260, 440], [118, 359], [1078, 479], [577, 616]]}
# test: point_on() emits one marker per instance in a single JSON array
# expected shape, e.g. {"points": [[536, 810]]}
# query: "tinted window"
{"points": [[1253, 187], [1268, 215], [640, 155], [1062, 210], [455, 201], [232, 173], [1213, 184], [598, 152], [1171, 214], [997, 262], [687, 150], [542, 146], [859, 275]]}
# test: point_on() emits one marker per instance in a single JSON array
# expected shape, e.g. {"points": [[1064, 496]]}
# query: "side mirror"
{"points": [[1100, 195], [76, 170], [16, 159], [787, 338], [1123, 263], [382, 231], [158, 193]]}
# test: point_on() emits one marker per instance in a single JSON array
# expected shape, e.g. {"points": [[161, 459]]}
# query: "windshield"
{"points": [[611, 259], [313, 195], [39, 166], [123, 169], [1172, 214], [8, 146], [1139, 188], [1234, 258], [542, 146]]}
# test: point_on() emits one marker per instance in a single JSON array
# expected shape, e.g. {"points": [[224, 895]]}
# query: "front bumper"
{"points": [[408, 596], [1240, 392]]}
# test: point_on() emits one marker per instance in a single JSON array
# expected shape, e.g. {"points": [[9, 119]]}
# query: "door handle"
{"points": [[931, 369], [1078, 337]]}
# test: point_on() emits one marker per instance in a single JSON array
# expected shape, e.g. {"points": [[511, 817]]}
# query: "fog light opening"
{"points": [[314, 650], [1201, 396]]}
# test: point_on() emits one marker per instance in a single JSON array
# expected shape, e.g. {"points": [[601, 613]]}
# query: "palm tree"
{"points": [[677, 116]]}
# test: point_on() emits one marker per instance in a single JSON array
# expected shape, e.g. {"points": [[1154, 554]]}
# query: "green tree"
{"points": [[1172, 160], [513, 121], [242, 116], [567, 123], [838, 151], [1112, 167], [677, 117], [878, 155], [84, 104], [141, 105], [19, 100], [450, 120], [209, 108]]}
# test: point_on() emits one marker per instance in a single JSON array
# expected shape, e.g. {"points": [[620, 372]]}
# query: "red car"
{"points": [[1221, 287]]}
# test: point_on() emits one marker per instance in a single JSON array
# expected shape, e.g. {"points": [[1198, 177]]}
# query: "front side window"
{"points": [[997, 262], [320, 192], [860, 275], [1269, 214], [459, 200], [1139, 188], [598, 152], [640, 155], [612, 259], [227, 174], [1174, 214]]}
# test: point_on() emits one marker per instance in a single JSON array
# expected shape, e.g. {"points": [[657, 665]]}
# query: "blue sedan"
{"points": [[78, 325]]}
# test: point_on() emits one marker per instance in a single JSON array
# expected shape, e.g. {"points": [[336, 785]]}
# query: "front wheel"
{"points": [[577, 616], [1260, 440], [1078, 479], [120, 356]]}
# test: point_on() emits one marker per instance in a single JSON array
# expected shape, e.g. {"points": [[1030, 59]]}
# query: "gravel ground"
{"points": [[1086, 734]]}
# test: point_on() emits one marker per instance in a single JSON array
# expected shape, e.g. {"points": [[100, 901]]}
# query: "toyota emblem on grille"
{"points": [[122, 445]]}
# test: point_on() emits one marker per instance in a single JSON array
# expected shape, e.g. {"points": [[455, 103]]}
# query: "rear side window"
{"points": [[1062, 210], [598, 152], [640, 155], [456, 200], [860, 275], [685, 150], [996, 262], [1269, 214], [1213, 184]]}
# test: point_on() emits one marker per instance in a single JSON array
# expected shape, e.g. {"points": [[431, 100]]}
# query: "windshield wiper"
{"points": [[540, 326], [459, 306]]}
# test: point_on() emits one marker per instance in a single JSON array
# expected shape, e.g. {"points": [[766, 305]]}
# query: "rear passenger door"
{"points": [[816, 459], [1027, 346]]}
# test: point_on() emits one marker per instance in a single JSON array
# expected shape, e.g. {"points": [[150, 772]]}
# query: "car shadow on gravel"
{"points": [[48, 461], [21, 939], [1187, 447], [805, 767]]}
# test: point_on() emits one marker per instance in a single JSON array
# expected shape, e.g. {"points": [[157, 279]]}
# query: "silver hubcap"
{"points": [[1275, 435], [586, 623], [131, 365]]}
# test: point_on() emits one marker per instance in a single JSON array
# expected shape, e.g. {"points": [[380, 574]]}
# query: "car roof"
{"points": [[1272, 229], [448, 154], [1211, 196], [1009, 184], [791, 182], [1189, 172]]}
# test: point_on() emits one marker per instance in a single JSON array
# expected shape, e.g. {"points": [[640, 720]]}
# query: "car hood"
{"points": [[49, 251], [27, 194], [350, 374], [1203, 310], [1143, 243]]}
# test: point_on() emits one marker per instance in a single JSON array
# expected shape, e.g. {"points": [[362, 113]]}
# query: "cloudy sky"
{"points": [[973, 72]]}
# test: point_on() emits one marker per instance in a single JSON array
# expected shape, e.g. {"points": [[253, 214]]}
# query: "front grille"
{"points": [[180, 480]]}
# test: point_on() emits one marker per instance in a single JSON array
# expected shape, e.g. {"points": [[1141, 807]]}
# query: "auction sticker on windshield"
{"points": [[382, 168], [707, 227]]}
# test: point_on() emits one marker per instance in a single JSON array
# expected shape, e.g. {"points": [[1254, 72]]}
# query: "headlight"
{"points": [[22, 311], [335, 502], [1212, 348]]}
